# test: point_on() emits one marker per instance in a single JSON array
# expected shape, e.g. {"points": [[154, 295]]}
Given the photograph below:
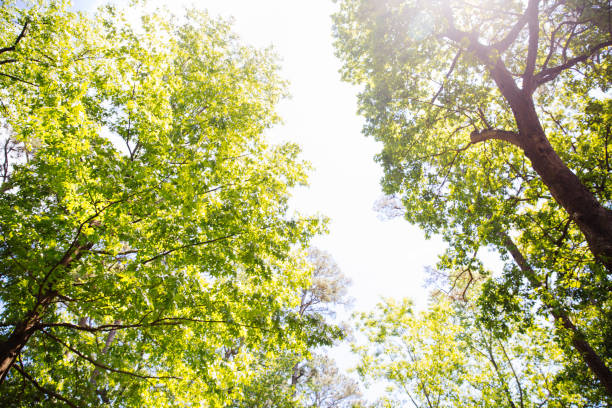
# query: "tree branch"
{"points": [[165, 321], [105, 367], [40, 388], [14, 78], [532, 50], [448, 74], [547, 75], [193, 244], [579, 341], [19, 38], [507, 41], [497, 134], [488, 55]]}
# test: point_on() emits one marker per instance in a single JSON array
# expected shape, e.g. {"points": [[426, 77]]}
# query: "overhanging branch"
{"points": [[19, 38], [495, 134], [42, 389], [549, 74], [105, 367], [532, 50], [507, 41]]}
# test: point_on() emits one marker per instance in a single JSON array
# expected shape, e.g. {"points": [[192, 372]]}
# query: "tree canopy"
{"points": [[147, 254], [494, 119], [149, 257], [445, 357]]}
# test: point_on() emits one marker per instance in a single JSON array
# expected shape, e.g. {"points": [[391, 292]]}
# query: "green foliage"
{"points": [[306, 378], [428, 91], [143, 216], [443, 357]]}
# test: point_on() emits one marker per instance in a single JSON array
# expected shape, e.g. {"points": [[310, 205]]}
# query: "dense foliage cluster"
{"points": [[495, 123], [147, 258]]}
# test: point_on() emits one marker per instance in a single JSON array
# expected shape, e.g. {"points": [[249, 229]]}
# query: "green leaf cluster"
{"points": [[432, 76], [144, 230]]}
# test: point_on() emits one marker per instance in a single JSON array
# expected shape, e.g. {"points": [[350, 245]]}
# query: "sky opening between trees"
{"points": [[150, 255]]}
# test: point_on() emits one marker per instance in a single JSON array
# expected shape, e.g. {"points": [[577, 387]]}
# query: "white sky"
{"points": [[383, 258]]}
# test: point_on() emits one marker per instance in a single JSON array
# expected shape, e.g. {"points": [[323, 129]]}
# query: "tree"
{"points": [[495, 125], [317, 380], [444, 357], [319, 384], [324, 386], [328, 289], [308, 377], [146, 255]]}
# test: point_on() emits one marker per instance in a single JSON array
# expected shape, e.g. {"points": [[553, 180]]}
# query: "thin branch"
{"points": [[14, 78], [193, 244], [448, 74], [488, 55], [500, 376], [165, 321], [105, 367], [484, 118], [507, 41], [532, 50], [19, 38], [547, 75], [518, 383], [42, 389]]}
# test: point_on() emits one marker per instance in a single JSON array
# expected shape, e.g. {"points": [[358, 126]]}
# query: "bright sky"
{"points": [[383, 258]]}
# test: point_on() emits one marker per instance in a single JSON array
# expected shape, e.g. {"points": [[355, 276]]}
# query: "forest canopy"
{"points": [[495, 123], [147, 254], [150, 254]]}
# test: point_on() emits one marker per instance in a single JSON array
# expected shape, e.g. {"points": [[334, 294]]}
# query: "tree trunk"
{"points": [[594, 220], [11, 348], [579, 342], [590, 356]]}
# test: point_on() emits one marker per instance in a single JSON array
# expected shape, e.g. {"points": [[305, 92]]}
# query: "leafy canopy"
{"points": [[144, 235], [472, 101]]}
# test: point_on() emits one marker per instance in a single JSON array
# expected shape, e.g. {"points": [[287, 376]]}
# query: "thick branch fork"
{"points": [[593, 219]]}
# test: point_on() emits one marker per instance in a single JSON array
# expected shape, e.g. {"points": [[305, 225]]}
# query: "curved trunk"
{"points": [[11, 348], [593, 219]]}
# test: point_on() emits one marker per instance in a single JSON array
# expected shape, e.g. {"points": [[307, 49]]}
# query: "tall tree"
{"points": [[495, 124], [143, 225], [309, 377], [445, 357], [325, 386]]}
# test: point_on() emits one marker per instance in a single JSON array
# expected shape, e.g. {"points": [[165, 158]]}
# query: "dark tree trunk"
{"points": [[11, 348], [579, 342], [594, 220]]}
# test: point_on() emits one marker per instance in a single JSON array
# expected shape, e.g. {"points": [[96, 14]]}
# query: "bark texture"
{"points": [[11, 348], [594, 220]]}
